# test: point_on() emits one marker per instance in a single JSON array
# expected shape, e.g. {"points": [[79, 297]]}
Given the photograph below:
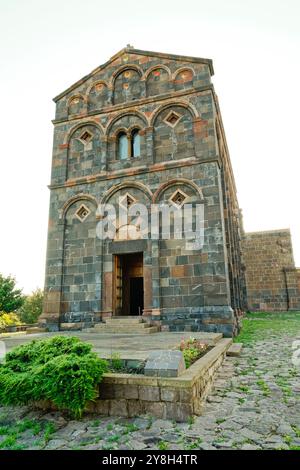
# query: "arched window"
{"points": [[135, 143], [122, 146]]}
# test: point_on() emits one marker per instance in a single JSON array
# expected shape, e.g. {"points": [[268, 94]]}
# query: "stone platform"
{"points": [[128, 395], [128, 346]]}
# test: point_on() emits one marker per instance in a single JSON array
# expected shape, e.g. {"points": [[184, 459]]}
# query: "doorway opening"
{"points": [[128, 284]]}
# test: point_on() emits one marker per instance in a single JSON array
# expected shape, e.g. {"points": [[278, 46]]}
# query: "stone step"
{"points": [[126, 317], [116, 324], [123, 322], [124, 329], [133, 326], [127, 320], [235, 349], [143, 327]]}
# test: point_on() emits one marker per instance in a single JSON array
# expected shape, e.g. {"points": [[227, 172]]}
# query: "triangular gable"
{"points": [[131, 50]]}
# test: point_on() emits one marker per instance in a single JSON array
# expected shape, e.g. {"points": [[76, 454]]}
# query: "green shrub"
{"points": [[61, 369], [32, 307], [9, 319], [11, 298]]}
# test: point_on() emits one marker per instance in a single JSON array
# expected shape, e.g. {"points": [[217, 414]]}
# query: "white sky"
{"points": [[48, 45]]}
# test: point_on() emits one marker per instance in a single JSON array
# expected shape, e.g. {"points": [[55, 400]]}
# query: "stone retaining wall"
{"points": [[129, 395]]}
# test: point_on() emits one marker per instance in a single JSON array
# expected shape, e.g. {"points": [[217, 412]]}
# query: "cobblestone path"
{"points": [[255, 405]]}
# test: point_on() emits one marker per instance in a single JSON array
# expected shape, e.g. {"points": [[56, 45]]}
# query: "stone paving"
{"points": [[255, 405], [128, 346]]}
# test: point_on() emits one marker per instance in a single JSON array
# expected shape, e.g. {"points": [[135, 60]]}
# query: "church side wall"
{"points": [[271, 276]]}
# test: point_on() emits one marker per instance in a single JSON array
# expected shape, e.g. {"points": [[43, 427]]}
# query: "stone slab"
{"points": [[235, 349], [164, 363]]}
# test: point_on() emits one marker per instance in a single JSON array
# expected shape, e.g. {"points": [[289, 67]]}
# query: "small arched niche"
{"points": [[128, 86], [184, 79], [158, 82], [98, 96], [76, 105]]}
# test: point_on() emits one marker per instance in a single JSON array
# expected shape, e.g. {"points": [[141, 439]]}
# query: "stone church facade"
{"points": [[144, 128]]}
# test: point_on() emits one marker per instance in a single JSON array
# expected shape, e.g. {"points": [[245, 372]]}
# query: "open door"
{"points": [[128, 284]]}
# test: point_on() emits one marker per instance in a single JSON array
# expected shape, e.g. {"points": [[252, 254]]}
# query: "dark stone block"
{"points": [[165, 272], [78, 279]]}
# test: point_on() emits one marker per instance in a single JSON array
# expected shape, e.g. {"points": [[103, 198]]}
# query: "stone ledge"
{"points": [[235, 349]]}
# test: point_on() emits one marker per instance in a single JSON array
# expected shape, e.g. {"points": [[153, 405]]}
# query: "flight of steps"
{"points": [[119, 325]]}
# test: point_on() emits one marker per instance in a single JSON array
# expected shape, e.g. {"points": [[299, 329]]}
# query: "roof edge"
{"points": [[209, 62]]}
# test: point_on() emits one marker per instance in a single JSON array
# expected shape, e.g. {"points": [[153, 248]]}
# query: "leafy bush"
{"points": [[32, 307], [10, 298], [192, 349], [9, 319], [60, 369]]}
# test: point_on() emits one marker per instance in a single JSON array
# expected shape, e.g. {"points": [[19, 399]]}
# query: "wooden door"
{"points": [[118, 290]]}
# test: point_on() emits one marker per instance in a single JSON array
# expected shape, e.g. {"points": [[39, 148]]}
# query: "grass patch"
{"points": [[296, 430], [29, 424], [193, 445], [96, 423], [264, 387], [49, 430], [162, 445], [14, 433], [263, 325], [114, 438], [4, 430], [287, 439], [191, 421], [130, 428], [220, 420], [285, 386], [8, 442]]}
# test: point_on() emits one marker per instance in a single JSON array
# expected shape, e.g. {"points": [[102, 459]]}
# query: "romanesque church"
{"points": [[146, 128]]}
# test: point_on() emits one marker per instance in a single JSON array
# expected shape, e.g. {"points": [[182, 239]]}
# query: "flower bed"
{"points": [[192, 350]]}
